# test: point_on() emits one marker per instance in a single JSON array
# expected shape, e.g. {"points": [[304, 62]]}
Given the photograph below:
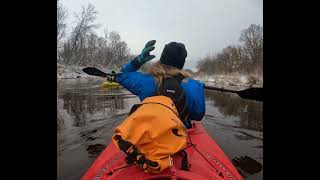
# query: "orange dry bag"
{"points": [[151, 134]]}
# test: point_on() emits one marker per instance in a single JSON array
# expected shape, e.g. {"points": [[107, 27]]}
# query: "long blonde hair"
{"points": [[160, 71]]}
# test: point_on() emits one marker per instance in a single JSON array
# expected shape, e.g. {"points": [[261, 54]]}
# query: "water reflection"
{"points": [[83, 106], [86, 117], [249, 112], [246, 147]]}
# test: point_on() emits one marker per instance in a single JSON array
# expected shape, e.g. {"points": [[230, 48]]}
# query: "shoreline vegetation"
{"points": [[81, 46]]}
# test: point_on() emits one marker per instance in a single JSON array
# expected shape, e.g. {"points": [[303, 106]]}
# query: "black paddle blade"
{"points": [[94, 72], [252, 94], [255, 94], [246, 165]]}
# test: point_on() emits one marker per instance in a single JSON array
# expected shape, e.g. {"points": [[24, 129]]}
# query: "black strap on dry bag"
{"points": [[134, 156], [171, 87]]}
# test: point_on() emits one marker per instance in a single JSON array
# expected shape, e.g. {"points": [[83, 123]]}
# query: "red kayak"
{"points": [[206, 159]]}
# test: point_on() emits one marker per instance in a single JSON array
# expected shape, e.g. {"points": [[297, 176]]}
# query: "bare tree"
{"points": [[252, 38], [84, 47], [85, 24], [119, 49], [61, 27], [89, 50], [206, 65], [247, 58]]}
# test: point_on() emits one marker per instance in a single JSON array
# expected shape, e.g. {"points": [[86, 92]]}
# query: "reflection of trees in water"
{"points": [[79, 105], [249, 112], [111, 102], [75, 106], [59, 123]]}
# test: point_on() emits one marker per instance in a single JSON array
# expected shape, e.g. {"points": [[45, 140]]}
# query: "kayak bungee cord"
{"points": [[122, 167], [189, 145], [110, 162], [193, 145], [97, 177]]}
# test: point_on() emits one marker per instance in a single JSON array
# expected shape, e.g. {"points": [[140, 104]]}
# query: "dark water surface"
{"points": [[87, 115]]}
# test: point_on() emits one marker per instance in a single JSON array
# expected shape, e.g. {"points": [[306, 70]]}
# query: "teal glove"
{"points": [[145, 55]]}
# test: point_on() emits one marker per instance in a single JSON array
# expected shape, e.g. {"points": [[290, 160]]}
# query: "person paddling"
{"points": [[164, 74]]}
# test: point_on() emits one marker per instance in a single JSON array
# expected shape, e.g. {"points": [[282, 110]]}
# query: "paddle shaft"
{"points": [[220, 89], [251, 93]]}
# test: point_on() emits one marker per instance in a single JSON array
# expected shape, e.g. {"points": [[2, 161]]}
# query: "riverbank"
{"points": [[232, 80], [220, 80]]}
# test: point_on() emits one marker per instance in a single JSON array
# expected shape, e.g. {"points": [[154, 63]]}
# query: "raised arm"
{"points": [[142, 58]]}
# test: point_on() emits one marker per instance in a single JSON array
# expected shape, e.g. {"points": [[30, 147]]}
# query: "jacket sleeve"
{"points": [[129, 67], [194, 91], [142, 85]]}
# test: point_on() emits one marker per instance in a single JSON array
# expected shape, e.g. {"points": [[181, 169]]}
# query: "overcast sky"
{"points": [[204, 26]]}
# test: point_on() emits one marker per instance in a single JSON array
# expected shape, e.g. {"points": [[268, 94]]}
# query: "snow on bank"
{"points": [[232, 80], [235, 80], [70, 72], [73, 72]]}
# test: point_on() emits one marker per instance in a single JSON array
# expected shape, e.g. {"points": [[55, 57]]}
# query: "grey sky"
{"points": [[205, 26]]}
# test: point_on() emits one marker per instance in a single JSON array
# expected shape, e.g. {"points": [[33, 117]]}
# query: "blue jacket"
{"points": [[144, 85]]}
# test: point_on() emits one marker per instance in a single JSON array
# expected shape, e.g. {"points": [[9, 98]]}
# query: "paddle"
{"points": [[96, 72], [251, 93], [254, 93]]}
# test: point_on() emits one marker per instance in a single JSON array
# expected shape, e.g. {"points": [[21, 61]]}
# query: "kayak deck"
{"points": [[206, 160]]}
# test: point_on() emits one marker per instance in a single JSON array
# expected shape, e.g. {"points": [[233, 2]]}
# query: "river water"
{"points": [[88, 113]]}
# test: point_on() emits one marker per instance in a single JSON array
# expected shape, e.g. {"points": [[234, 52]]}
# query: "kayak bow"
{"points": [[206, 161]]}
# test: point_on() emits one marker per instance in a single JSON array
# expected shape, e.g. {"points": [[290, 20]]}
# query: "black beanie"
{"points": [[174, 54]]}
